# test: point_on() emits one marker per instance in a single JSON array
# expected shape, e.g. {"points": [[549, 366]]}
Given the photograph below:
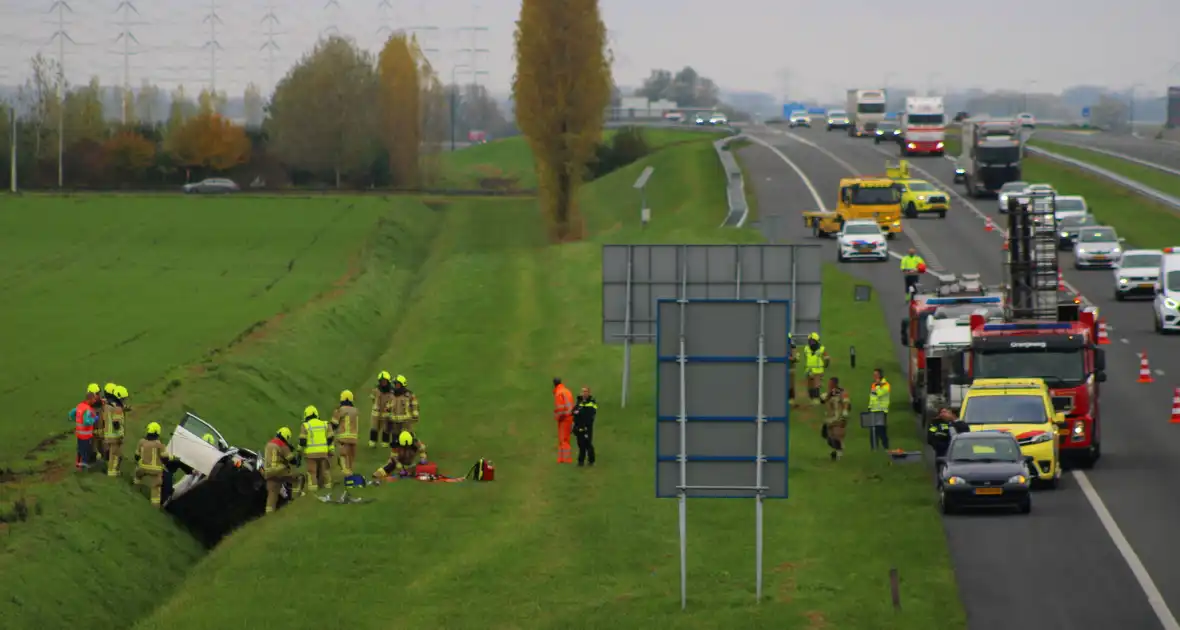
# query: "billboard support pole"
{"points": [[760, 419], [627, 330], [682, 362], [794, 286], [737, 280]]}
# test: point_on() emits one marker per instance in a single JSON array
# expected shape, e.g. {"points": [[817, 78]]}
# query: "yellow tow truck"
{"points": [[864, 197], [918, 196]]}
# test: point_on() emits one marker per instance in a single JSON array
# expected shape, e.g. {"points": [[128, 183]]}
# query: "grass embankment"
{"points": [[508, 163], [953, 143], [1154, 178], [495, 312], [238, 308], [1143, 222]]}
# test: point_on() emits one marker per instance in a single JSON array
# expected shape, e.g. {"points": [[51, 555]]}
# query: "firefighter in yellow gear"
{"points": [[345, 424], [316, 444], [404, 457], [150, 457], [381, 418], [102, 409], [278, 466], [405, 407], [115, 419], [815, 361]]}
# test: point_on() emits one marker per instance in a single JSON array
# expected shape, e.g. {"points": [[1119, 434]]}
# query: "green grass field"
{"points": [[1145, 175], [509, 159], [466, 299]]}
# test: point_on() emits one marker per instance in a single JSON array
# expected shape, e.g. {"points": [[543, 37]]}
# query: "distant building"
{"points": [[639, 108]]}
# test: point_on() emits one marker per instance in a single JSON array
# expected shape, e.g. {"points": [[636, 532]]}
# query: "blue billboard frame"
{"points": [[784, 418]]}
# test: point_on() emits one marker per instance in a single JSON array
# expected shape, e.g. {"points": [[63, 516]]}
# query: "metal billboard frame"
{"points": [[750, 316], [635, 277]]}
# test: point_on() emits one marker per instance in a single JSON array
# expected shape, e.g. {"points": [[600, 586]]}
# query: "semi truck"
{"points": [[991, 153], [923, 126], [866, 109]]}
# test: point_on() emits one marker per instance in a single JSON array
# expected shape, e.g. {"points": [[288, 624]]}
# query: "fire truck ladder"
{"points": [[1032, 257]]}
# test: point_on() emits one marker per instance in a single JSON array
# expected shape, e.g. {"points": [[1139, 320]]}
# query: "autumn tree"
{"points": [[39, 96], [399, 98], [254, 105], [84, 118], [179, 111], [436, 123], [321, 113], [211, 142], [210, 102], [562, 88], [130, 154]]}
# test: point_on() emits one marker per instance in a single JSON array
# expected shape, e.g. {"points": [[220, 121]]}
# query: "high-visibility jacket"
{"points": [[151, 455], [316, 433], [563, 403], [345, 422], [879, 396], [404, 407], [909, 263], [113, 427], [277, 459], [84, 421], [814, 359]]}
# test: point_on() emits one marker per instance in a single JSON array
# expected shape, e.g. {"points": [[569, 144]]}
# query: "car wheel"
{"points": [[911, 212], [1119, 297], [942, 214], [1159, 325], [944, 502], [839, 255], [1077, 265], [1025, 505]]}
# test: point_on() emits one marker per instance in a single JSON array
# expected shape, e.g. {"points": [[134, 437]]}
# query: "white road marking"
{"points": [[1125, 340], [1154, 597], [1159, 372], [819, 202], [1146, 584]]}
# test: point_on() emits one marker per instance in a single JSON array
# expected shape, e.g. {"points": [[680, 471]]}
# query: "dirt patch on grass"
{"points": [[816, 620]]}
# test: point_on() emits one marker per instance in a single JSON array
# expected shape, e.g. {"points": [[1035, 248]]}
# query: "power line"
{"points": [[213, 45], [126, 8], [270, 46], [384, 8], [332, 27], [474, 51], [61, 6]]}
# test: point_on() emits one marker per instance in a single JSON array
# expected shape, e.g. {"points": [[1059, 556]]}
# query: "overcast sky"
{"points": [[793, 49]]}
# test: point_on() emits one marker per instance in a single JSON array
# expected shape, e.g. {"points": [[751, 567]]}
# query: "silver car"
{"points": [[1097, 247], [1137, 273], [1011, 189], [212, 185]]}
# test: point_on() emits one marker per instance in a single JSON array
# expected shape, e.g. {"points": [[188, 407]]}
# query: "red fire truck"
{"points": [[1063, 353], [1044, 335]]}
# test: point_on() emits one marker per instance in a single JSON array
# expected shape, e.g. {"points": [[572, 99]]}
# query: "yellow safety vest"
{"points": [[110, 432], [879, 396], [815, 360], [317, 437], [909, 264]]}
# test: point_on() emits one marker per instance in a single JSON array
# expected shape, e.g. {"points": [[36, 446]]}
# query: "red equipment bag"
{"points": [[921, 267], [430, 468], [483, 470]]}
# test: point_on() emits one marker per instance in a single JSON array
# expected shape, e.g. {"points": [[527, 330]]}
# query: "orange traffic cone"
{"points": [[1176, 406], [1103, 338], [1005, 247], [989, 227], [1144, 369]]}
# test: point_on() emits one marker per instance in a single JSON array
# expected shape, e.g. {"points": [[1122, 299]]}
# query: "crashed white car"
{"points": [[223, 486], [860, 240], [1137, 272]]}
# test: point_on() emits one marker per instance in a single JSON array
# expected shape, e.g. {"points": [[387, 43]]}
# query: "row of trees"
{"points": [[686, 87], [340, 117]]}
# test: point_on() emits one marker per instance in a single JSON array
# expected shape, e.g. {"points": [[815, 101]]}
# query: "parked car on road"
{"points": [[1137, 273], [212, 185], [1097, 246]]}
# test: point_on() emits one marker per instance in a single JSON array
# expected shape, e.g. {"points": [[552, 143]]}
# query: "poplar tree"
{"points": [[562, 88], [399, 94]]}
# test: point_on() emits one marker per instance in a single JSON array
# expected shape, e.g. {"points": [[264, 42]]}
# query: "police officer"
{"points": [[815, 360], [836, 425], [911, 266], [879, 402], [938, 435], [585, 411]]}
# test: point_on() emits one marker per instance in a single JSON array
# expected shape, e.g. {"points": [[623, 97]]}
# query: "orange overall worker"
{"points": [[85, 417], [563, 413]]}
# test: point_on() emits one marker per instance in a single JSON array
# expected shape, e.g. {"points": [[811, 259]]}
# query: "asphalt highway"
{"points": [[1156, 151], [1095, 552]]}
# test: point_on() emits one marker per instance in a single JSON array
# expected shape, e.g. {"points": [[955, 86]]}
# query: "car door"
{"points": [[189, 446]]}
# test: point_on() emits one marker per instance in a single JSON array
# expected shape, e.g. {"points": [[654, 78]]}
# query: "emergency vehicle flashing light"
{"points": [[1002, 327], [964, 300]]}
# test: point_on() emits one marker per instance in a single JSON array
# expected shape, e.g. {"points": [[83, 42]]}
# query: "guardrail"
{"points": [[1122, 156], [735, 184], [1126, 182]]}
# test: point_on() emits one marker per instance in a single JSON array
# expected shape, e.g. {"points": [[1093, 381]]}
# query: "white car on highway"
{"points": [[1137, 273], [1070, 205], [1167, 292], [718, 119], [1027, 120], [1097, 246], [1011, 189], [861, 239], [799, 118]]}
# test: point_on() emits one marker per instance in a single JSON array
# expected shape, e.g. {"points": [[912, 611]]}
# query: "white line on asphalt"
{"points": [[1146, 584], [1159, 372], [819, 202], [1167, 620], [918, 242], [1125, 340]]}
